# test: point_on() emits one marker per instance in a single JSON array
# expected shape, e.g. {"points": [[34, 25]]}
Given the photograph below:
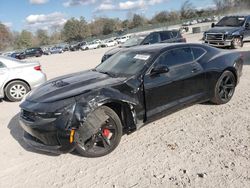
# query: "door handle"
{"points": [[195, 69]]}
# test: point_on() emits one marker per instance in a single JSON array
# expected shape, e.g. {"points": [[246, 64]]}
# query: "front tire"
{"points": [[106, 139], [16, 90], [224, 88], [237, 43]]}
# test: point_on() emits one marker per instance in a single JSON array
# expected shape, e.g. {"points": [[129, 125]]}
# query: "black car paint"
{"points": [[175, 37], [60, 105], [230, 33]]}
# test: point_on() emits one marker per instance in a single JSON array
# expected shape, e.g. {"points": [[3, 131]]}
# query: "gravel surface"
{"points": [[201, 146]]}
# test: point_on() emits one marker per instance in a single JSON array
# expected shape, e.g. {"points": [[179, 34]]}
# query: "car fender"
{"points": [[238, 33], [87, 114], [93, 100]]}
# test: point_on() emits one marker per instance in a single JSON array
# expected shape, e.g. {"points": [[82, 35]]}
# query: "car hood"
{"points": [[71, 85], [229, 30]]}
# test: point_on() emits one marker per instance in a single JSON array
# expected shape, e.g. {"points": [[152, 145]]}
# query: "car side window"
{"points": [[165, 36], [248, 20], [248, 23], [152, 38], [176, 57], [2, 65], [175, 34], [198, 52]]}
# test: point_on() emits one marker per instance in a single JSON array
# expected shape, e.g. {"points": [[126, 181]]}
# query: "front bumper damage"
{"points": [[46, 135], [52, 127], [59, 126]]}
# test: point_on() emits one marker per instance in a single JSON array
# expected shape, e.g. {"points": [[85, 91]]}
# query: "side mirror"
{"points": [[159, 70], [212, 25], [247, 26]]}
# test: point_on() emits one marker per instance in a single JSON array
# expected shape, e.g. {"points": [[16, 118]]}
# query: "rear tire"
{"points": [[16, 90], [99, 145], [224, 88]]}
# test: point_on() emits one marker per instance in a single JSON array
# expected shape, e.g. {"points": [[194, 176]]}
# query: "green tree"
{"points": [[137, 21], [161, 17], [5, 37], [56, 37], [42, 37], [187, 10], [24, 40], [75, 30]]}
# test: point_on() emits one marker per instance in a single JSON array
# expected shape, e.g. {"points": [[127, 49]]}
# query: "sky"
{"points": [[49, 14]]}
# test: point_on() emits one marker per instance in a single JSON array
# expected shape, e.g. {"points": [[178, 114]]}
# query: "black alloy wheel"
{"points": [[106, 139], [224, 88]]}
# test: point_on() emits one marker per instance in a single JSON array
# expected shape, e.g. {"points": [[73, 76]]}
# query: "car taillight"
{"points": [[38, 68]]}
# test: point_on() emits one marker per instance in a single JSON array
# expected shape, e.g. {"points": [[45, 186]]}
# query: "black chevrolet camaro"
{"points": [[90, 111]]}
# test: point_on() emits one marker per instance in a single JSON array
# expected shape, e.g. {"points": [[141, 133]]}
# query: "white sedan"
{"points": [[110, 43], [17, 78], [90, 46]]}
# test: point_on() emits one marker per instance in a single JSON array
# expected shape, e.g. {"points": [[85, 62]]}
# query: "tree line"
{"points": [[78, 29]]}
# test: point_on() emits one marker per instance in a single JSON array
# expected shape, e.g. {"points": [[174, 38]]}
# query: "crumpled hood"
{"points": [[230, 30], [71, 85]]}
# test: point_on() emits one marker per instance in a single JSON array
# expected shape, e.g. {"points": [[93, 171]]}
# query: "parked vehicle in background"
{"points": [[168, 36], [230, 31], [17, 55], [46, 50], [109, 43], [56, 50], [17, 78], [98, 41], [90, 111], [122, 39], [91, 45], [76, 46], [193, 22], [65, 47], [31, 52]]}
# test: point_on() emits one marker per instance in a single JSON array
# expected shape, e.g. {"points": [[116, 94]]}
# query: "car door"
{"points": [[174, 87], [247, 30], [3, 76], [28, 52], [166, 37], [152, 38]]}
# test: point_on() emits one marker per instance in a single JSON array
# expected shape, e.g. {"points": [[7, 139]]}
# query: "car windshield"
{"points": [[124, 63], [231, 21], [135, 41]]}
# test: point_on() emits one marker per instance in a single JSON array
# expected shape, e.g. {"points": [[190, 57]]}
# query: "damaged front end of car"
{"points": [[59, 126]]}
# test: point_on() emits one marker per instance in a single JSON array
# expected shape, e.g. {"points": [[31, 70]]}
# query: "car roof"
{"points": [[238, 16], [157, 47], [166, 31]]}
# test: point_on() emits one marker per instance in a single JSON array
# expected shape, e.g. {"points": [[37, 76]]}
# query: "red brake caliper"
{"points": [[106, 132]]}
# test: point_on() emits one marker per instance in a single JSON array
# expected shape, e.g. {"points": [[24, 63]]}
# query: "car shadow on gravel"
{"points": [[17, 133], [246, 57]]}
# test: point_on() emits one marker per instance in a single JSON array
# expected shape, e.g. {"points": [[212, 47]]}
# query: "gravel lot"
{"points": [[201, 146]]}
